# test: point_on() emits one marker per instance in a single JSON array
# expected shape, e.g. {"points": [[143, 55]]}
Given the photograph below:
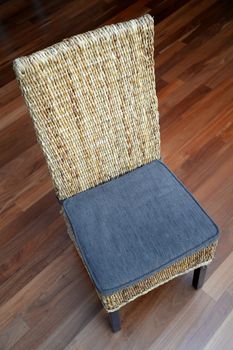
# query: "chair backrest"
{"points": [[93, 103]]}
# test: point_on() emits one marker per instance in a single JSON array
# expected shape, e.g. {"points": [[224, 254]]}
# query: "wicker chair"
{"points": [[93, 103]]}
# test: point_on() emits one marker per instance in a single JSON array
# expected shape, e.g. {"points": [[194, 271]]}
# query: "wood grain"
{"points": [[46, 298]]}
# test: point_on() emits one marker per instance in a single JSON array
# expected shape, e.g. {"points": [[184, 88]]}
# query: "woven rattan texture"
{"points": [[115, 301], [92, 99]]}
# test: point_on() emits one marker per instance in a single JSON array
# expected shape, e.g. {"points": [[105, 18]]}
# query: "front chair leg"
{"points": [[115, 321], [199, 277]]}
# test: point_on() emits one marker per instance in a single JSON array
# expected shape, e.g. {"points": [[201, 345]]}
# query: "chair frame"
{"points": [[69, 116], [198, 282]]}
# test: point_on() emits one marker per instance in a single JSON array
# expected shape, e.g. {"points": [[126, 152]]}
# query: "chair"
{"points": [[93, 103]]}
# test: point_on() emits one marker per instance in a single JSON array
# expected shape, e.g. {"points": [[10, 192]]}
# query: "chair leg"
{"points": [[115, 321], [199, 277]]}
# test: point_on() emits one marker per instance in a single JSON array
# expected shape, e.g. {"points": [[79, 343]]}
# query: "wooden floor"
{"points": [[46, 298]]}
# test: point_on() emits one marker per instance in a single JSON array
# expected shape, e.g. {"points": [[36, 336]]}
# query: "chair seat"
{"points": [[136, 225]]}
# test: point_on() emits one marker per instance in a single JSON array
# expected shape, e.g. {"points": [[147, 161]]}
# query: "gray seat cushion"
{"points": [[133, 226]]}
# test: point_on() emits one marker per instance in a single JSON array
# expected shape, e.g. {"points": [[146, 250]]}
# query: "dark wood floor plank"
{"points": [[16, 138], [199, 115], [25, 218], [182, 22]]}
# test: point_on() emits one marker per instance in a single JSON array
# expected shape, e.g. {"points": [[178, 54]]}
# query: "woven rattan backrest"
{"points": [[92, 99]]}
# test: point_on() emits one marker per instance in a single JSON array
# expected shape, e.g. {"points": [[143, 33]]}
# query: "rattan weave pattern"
{"points": [[202, 257], [93, 102]]}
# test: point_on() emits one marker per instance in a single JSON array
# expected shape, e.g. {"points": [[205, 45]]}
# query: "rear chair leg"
{"points": [[115, 321], [199, 276]]}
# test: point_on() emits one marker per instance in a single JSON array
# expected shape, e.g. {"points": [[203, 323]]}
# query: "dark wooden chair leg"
{"points": [[115, 320], [199, 277]]}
